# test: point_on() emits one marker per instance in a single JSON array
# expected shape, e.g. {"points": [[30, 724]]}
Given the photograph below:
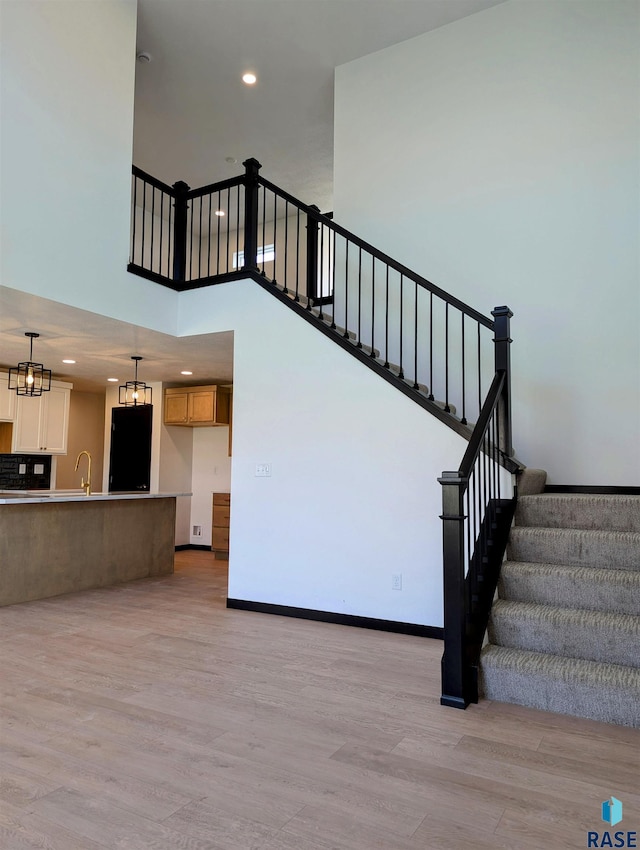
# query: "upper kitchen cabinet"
{"points": [[197, 406], [41, 423], [7, 399]]}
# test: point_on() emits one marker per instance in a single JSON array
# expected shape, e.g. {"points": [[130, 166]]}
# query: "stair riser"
{"points": [[578, 637], [577, 588], [604, 550], [589, 512], [597, 702]]}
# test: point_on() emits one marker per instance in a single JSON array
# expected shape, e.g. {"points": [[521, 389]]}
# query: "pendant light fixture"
{"points": [[135, 393], [29, 378]]}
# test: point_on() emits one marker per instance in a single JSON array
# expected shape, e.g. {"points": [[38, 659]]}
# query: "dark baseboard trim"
{"points": [[339, 619], [184, 546], [593, 490]]}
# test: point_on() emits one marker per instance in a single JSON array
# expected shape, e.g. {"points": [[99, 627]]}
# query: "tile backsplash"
{"points": [[25, 472]]}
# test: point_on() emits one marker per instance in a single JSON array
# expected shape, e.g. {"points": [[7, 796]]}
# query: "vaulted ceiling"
{"points": [[193, 114]]}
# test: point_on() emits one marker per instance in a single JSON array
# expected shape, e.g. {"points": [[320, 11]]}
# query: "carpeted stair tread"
{"points": [[605, 692], [575, 632], [574, 547], [580, 511], [571, 587]]}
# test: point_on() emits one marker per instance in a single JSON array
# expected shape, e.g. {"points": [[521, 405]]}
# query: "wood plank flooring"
{"points": [[149, 716]]}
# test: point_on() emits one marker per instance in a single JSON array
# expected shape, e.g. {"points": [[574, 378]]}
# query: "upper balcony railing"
{"points": [[246, 226]]}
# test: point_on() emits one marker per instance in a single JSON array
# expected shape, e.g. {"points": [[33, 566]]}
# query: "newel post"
{"points": [[180, 231], [312, 255], [252, 167], [457, 684], [502, 341]]}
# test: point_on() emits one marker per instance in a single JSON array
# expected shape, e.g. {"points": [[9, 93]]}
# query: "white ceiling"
{"points": [[191, 113]]}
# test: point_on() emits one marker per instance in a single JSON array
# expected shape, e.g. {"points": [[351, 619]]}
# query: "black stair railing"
{"points": [[446, 356], [478, 501], [431, 344]]}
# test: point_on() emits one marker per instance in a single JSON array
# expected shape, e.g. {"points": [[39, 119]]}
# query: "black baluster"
{"points": [[144, 219], [464, 399], [415, 342], [297, 298], [333, 275], [286, 243], [321, 277], [386, 319], [401, 373], [161, 230], [479, 374], [346, 289], [446, 358], [431, 396], [359, 342], [133, 234], [373, 305]]}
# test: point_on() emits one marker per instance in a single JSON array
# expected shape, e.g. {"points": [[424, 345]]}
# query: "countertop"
{"points": [[35, 497]]}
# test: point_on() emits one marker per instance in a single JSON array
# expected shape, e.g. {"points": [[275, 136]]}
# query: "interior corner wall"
{"points": [[353, 496], [67, 71], [86, 433], [499, 157]]}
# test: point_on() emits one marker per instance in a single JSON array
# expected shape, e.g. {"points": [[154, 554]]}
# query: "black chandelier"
{"points": [[29, 378], [135, 393]]}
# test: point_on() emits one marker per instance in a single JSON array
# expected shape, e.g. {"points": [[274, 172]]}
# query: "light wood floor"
{"points": [[149, 716]]}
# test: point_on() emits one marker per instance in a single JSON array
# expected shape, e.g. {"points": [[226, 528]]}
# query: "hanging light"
{"points": [[29, 378], [135, 393]]}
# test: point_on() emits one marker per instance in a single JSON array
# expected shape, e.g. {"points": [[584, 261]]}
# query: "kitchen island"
{"points": [[57, 542]]}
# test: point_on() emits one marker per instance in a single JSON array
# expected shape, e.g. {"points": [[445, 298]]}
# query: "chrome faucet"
{"points": [[86, 485]]}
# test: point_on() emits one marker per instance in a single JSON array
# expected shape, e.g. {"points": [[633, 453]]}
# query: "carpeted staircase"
{"points": [[564, 633]]}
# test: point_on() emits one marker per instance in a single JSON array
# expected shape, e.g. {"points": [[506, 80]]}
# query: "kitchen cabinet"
{"points": [[220, 525], [7, 399], [41, 423], [196, 407]]}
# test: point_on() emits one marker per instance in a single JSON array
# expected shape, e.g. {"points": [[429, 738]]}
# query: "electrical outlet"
{"points": [[197, 531], [263, 470], [396, 581]]}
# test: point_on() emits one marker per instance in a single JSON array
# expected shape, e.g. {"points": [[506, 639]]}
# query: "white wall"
{"points": [[353, 496], [67, 89], [498, 156]]}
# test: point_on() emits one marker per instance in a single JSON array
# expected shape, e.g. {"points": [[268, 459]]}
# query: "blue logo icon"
{"points": [[612, 811]]}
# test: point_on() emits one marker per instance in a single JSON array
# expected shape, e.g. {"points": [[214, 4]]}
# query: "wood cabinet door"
{"points": [[27, 428], [202, 407], [7, 400], [55, 421], [175, 409]]}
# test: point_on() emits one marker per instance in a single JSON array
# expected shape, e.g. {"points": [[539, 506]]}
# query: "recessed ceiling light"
{"points": [[113, 380], [144, 57], [220, 213], [230, 159], [186, 373], [68, 361], [249, 78]]}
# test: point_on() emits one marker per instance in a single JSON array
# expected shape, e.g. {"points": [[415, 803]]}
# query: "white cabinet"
{"points": [[41, 423], [7, 399]]}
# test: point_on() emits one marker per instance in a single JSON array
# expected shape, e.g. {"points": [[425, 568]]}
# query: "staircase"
{"points": [[564, 632]]}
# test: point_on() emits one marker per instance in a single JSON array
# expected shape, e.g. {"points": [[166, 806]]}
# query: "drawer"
{"points": [[221, 515], [222, 499], [220, 539]]}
